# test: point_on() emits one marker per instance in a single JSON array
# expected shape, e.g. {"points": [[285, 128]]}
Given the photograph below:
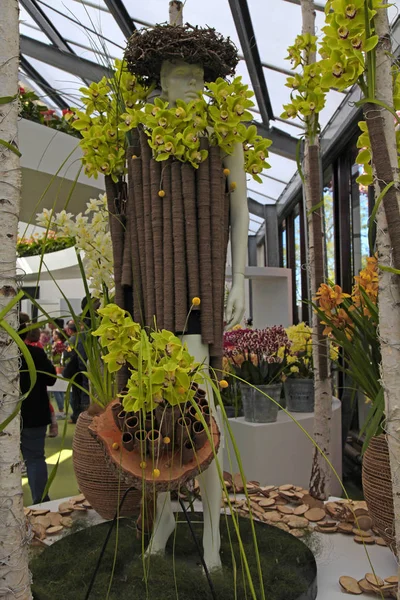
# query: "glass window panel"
{"points": [[85, 25], [252, 193], [329, 226], [281, 167], [360, 214], [283, 243], [34, 33], [297, 258], [64, 83]]}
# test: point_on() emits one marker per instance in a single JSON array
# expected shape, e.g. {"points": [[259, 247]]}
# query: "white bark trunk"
{"points": [[389, 289], [14, 538], [176, 12], [320, 474]]}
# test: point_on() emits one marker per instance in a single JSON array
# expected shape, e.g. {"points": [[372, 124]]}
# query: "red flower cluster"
{"points": [[262, 344]]}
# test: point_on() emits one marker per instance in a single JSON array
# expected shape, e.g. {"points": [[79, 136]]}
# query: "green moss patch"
{"points": [[64, 569]]}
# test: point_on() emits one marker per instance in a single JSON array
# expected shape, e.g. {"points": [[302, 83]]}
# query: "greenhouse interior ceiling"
{"points": [[66, 44]]}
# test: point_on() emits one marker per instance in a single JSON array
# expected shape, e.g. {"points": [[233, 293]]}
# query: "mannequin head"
{"points": [[181, 80]]}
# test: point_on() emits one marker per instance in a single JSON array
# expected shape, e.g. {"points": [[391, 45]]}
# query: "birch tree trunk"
{"points": [[384, 152], [320, 473], [14, 538]]}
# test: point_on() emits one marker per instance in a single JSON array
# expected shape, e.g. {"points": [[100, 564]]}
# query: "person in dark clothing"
{"points": [[35, 416]]}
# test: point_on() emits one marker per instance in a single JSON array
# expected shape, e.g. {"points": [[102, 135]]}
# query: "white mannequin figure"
{"points": [[180, 80]]}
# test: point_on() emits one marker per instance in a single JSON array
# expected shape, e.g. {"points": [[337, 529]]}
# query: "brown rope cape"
{"points": [[173, 247]]}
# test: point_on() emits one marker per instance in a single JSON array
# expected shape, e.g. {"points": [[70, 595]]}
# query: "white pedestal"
{"points": [[279, 453], [270, 300]]}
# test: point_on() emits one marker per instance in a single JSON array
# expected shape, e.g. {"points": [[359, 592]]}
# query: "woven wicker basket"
{"points": [[96, 479], [377, 486]]}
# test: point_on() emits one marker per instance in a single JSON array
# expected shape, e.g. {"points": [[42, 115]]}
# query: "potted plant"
{"points": [[352, 322], [258, 363], [299, 382]]}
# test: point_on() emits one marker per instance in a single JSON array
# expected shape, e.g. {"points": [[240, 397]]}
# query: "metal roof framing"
{"points": [[66, 61], [242, 19], [45, 24], [42, 83], [121, 17]]}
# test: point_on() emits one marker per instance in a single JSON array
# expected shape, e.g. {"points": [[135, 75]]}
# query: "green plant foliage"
{"points": [[161, 367], [35, 245], [33, 110], [104, 143], [113, 107]]}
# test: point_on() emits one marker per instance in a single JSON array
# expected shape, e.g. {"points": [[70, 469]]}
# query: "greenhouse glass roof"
{"points": [[68, 43]]}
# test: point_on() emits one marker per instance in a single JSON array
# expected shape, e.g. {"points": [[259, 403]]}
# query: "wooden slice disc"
{"points": [[39, 531], [54, 530], [282, 526], [285, 510], [325, 529], [40, 512], [315, 514], [365, 586], [374, 580], [332, 508], [297, 522], [80, 508], [78, 499], [345, 528], [65, 506], [44, 520], [66, 522], [86, 504], [238, 483], [273, 517], [55, 518], [27, 511], [286, 487], [268, 488], [364, 522], [362, 539], [267, 502], [361, 512], [380, 541], [327, 524], [350, 585], [361, 532], [299, 533], [313, 502], [280, 501], [392, 580], [301, 510], [274, 495]]}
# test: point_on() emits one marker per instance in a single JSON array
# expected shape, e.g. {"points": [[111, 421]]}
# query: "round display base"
{"points": [[65, 569]]}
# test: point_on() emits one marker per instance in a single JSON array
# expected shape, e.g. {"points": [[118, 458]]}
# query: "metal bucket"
{"points": [[299, 395], [257, 407]]}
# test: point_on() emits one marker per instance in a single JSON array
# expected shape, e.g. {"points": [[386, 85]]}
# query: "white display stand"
{"points": [[270, 300], [336, 554], [279, 453]]}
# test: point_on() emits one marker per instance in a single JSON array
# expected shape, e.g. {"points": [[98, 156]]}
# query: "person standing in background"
{"points": [[35, 415]]}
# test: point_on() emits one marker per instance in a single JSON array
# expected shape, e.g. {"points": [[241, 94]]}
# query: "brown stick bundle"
{"points": [[178, 232], [157, 233], [117, 230], [204, 221], [149, 298], [168, 253], [133, 243], [192, 251]]}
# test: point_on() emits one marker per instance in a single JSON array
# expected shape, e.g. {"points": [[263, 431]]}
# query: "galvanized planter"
{"points": [[299, 394], [258, 408]]}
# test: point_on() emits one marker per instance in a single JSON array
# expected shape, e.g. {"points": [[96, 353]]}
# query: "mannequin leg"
{"points": [[209, 481], [164, 524]]}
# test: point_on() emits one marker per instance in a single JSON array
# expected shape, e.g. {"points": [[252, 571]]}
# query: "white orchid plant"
{"points": [[92, 239]]}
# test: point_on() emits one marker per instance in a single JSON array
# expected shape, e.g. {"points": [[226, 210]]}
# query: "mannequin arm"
{"points": [[239, 220]]}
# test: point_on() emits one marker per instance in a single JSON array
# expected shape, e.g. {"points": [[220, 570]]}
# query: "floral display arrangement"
{"points": [[352, 321], [33, 110], [218, 115], [90, 234], [37, 244], [299, 357], [258, 356]]}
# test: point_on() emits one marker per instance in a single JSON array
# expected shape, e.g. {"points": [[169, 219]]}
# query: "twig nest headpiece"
{"points": [[148, 48]]}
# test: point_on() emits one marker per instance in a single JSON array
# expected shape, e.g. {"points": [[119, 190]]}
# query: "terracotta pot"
{"points": [[121, 419], [183, 427], [187, 452], [377, 487], [206, 414], [155, 445], [97, 480], [116, 409]]}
